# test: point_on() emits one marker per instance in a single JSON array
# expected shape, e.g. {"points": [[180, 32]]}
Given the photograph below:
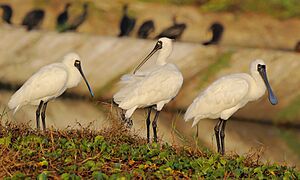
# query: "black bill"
{"points": [[157, 47], [78, 66], [262, 71]]}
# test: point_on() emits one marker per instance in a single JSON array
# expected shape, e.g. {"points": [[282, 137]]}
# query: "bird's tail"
{"points": [[190, 115], [15, 102]]}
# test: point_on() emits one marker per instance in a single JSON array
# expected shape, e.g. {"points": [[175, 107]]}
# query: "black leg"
{"points": [[122, 114], [148, 124], [217, 134], [222, 136], [37, 113], [197, 129], [43, 115], [154, 126], [126, 121]]}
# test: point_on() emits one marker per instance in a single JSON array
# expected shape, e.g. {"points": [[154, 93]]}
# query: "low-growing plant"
{"points": [[116, 153]]}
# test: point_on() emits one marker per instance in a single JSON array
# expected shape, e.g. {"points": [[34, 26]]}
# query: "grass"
{"points": [[115, 153], [178, 2], [276, 8]]}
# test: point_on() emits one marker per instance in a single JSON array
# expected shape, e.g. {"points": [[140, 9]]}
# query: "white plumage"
{"points": [[49, 82], [155, 86], [230, 93]]}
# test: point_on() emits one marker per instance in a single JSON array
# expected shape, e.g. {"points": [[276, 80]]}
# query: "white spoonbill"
{"points": [[47, 84], [155, 86], [228, 94]]}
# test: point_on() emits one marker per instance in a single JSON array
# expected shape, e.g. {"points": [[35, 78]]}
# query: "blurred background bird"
{"points": [[146, 29], [62, 18], [33, 19], [217, 30], [7, 13], [127, 23], [173, 32]]}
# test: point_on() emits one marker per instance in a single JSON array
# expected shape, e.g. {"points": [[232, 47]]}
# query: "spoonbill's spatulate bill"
{"points": [[152, 87], [48, 83], [228, 94]]}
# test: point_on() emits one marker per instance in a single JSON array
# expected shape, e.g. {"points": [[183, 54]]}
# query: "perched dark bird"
{"points": [[173, 32], [127, 23], [7, 13], [62, 18], [297, 47], [217, 32], [33, 19], [79, 19], [146, 28]]}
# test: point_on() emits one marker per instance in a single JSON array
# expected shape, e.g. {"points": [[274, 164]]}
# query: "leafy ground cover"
{"points": [[277, 8], [116, 153]]}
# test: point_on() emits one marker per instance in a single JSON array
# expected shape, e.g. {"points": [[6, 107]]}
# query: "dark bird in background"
{"points": [[33, 19], [62, 18], [173, 32], [127, 23], [217, 32], [79, 19], [7, 13], [297, 47], [146, 28]]}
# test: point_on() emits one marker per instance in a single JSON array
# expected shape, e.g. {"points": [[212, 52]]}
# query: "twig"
{"points": [[6, 171], [91, 158]]}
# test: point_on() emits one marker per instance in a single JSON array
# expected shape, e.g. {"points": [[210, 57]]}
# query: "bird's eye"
{"points": [[260, 66], [77, 62], [159, 44]]}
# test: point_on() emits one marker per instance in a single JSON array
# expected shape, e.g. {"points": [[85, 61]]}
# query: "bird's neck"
{"points": [[161, 59], [259, 82], [74, 77]]}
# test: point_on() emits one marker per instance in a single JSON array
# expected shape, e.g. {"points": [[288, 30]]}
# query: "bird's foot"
{"points": [[128, 122]]}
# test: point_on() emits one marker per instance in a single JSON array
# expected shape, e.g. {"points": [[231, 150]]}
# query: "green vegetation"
{"points": [[178, 2], [222, 62], [290, 112], [116, 154], [277, 8]]}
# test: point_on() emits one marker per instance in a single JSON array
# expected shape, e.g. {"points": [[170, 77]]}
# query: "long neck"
{"points": [[259, 82], [161, 59], [74, 77], [85, 11], [125, 10]]}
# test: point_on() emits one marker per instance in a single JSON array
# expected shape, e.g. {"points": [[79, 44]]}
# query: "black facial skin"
{"points": [[77, 64], [262, 71], [157, 47]]}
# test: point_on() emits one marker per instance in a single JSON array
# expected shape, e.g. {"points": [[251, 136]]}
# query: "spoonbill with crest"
{"points": [[47, 84], [228, 94], [155, 86]]}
